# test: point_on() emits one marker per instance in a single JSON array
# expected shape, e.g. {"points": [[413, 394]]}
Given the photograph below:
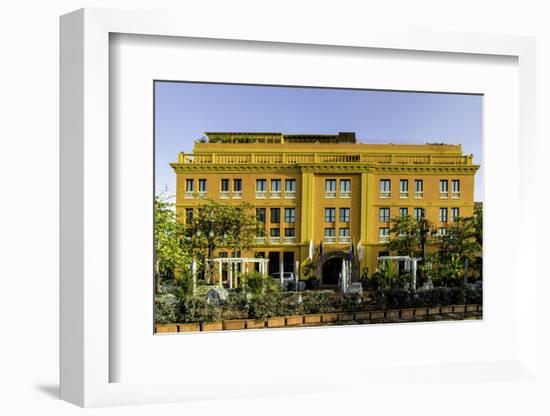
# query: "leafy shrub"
{"points": [[256, 284], [321, 301], [398, 298], [289, 304], [166, 309], [264, 306], [352, 302], [197, 310], [236, 306]]}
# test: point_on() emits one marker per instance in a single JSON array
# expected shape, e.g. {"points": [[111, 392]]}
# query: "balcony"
{"points": [[344, 239], [345, 194], [329, 240], [274, 240], [330, 194], [290, 194], [237, 195], [418, 195], [260, 240], [188, 195], [383, 238], [455, 195], [289, 240], [224, 195], [403, 195], [275, 194], [443, 195], [201, 195], [385, 194], [261, 194]]}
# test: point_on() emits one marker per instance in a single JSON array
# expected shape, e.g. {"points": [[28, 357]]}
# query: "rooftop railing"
{"points": [[295, 158]]}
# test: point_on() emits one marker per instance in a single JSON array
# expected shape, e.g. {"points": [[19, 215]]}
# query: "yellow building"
{"points": [[327, 189]]}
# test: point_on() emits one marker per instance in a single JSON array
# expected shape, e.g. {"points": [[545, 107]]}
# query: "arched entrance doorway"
{"points": [[332, 266]]}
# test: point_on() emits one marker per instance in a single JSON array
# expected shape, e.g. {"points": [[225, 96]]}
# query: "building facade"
{"points": [[327, 189]]}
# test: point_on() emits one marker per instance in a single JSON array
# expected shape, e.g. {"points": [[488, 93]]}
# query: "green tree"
{"points": [[409, 236], [172, 254]]}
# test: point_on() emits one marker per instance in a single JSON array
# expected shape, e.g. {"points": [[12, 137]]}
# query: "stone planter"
{"points": [[459, 308], [407, 313], [377, 315], [276, 322], [471, 308], [166, 328], [446, 309], [233, 324], [312, 319], [255, 323], [436, 310], [194, 327], [293, 320], [362, 316], [392, 314], [329, 317], [211, 326], [345, 317], [420, 311]]}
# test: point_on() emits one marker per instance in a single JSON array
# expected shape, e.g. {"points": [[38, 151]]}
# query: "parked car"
{"points": [[289, 281]]}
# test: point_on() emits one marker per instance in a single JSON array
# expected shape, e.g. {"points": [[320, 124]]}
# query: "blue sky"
{"points": [[184, 111]]}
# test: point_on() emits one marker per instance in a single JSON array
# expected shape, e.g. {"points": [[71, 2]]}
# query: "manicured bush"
{"points": [[166, 309], [197, 310], [351, 302], [264, 306], [321, 301], [236, 306]]}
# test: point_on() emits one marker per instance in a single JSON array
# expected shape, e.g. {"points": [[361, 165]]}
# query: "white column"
{"points": [[281, 271], [220, 273], [231, 265], [194, 272]]}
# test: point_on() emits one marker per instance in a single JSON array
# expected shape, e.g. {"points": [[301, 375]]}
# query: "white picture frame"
{"points": [[86, 333]]}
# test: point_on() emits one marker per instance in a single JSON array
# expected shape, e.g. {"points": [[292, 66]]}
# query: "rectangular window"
{"points": [[202, 185], [290, 215], [330, 232], [418, 188], [383, 234], [290, 232], [237, 185], [443, 214], [455, 213], [455, 188], [443, 188], [275, 232], [345, 188], [418, 213], [188, 215], [403, 212], [275, 215], [275, 185], [260, 215], [330, 214], [385, 188], [345, 214], [384, 215], [189, 185], [290, 185], [261, 185], [330, 188], [225, 185], [343, 232], [404, 188]]}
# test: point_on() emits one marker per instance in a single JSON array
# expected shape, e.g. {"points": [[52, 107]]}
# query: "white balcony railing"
{"points": [[343, 239], [403, 195], [290, 194], [237, 195], [289, 240], [275, 194], [330, 194], [385, 194], [455, 195], [383, 238], [188, 195], [329, 240], [201, 195], [345, 194], [443, 195], [261, 194], [224, 195], [260, 240], [275, 240], [419, 195]]}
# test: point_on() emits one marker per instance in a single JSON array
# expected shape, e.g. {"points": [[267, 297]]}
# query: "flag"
{"points": [[311, 250], [359, 251]]}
